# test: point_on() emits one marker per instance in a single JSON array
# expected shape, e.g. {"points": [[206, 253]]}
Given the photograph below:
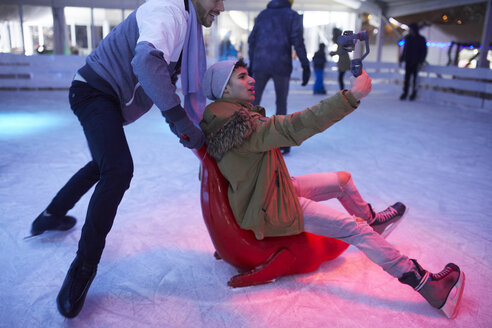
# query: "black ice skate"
{"points": [[386, 221], [45, 222], [442, 290], [71, 297]]}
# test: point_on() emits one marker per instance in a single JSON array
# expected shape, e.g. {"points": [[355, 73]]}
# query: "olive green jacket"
{"points": [[245, 145]]}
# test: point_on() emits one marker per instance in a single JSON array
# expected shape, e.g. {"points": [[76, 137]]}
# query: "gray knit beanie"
{"points": [[216, 78]]}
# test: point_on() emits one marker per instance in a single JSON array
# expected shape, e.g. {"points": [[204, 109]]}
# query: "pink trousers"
{"points": [[351, 227]]}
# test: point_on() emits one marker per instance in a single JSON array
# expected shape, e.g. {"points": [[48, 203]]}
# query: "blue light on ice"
{"points": [[21, 124]]}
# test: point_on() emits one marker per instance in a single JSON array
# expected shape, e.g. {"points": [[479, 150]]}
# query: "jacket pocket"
{"points": [[271, 189]]}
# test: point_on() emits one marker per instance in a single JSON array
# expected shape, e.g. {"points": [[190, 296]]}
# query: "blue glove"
{"points": [[189, 134]]}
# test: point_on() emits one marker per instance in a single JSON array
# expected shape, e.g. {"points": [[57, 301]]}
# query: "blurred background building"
{"points": [[456, 30]]}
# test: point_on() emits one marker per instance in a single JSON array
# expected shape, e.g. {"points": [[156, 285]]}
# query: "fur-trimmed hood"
{"points": [[227, 124]]}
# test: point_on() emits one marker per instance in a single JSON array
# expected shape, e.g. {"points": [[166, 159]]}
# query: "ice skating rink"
{"points": [[158, 268]]}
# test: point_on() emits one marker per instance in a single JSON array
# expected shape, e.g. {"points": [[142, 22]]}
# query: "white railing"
{"points": [[444, 84], [42, 72]]}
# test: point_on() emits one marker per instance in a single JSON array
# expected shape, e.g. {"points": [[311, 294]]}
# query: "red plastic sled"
{"points": [[260, 261]]}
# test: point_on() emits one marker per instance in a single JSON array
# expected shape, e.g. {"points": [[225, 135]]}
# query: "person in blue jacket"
{"points": [[277, 28], [134, 67], [319, 62], [227, 50]]}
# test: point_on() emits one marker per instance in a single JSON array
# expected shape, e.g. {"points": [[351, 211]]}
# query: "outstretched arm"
{"points": [[293, 129]]}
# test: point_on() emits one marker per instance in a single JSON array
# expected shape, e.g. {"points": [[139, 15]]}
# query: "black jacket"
{"points": [[414, 50]]}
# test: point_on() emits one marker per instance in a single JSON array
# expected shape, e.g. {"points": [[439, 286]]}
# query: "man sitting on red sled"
{"points": [[267, 200]]}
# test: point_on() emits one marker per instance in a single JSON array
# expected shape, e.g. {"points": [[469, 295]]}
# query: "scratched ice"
{"points": [[158, 268]]}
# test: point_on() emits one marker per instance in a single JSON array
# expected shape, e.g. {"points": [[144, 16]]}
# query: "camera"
{"points": [[348, 41]]}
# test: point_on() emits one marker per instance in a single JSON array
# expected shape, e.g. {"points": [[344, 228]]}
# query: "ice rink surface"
{"points": [[158, 268]]}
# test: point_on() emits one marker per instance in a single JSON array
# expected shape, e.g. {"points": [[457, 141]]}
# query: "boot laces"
{"points": [[442, 274], [386, 215]]}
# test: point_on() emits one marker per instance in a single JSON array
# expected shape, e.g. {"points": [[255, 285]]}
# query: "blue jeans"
{"points": [[351, 227], [281, 84], [319, 86], [111, 168]]}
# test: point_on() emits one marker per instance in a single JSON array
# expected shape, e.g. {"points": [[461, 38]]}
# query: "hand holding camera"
{"points": [[361, 86]]}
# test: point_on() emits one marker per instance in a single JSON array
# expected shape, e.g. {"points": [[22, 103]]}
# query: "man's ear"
{"points": [[226, 90]]}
